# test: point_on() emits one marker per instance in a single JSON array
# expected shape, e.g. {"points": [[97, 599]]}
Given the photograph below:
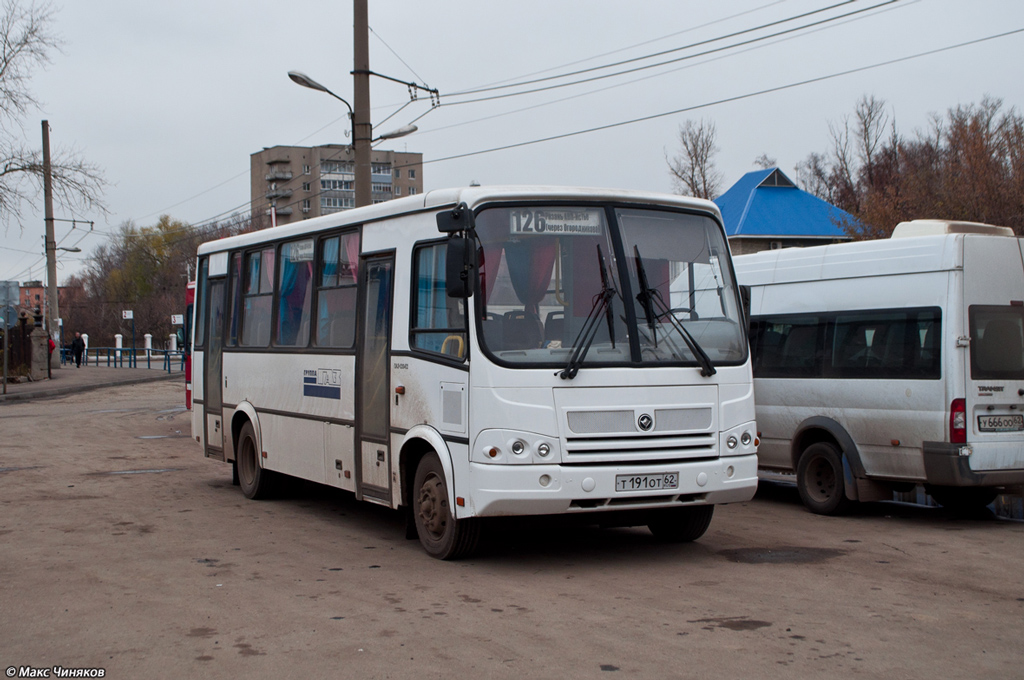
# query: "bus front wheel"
{"points": [[820, 480], [256, 482], [441, 535], [681, 525]]}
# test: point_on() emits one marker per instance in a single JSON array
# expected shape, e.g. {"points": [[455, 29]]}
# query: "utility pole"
{"points": [[52, 321], [362, 128]]}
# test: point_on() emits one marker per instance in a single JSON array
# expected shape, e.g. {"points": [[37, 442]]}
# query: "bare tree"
{"points": [[26, 42], [693, 168], [764, 161]]}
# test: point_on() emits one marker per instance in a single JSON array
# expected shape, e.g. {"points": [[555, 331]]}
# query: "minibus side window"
{"points": [[997, 342]]}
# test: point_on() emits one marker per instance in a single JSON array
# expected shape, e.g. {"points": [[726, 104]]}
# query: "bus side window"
{"points": [[336, 291], [438, 321]]}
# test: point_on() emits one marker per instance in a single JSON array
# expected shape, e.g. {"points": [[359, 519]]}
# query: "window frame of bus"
{"points": [[351, 285], [822, 366], [234, 315], [279, 292], [439, 276], [199, 341], [246, 295]]}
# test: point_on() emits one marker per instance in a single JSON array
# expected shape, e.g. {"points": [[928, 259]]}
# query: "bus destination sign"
{"points": [[556, 221]]}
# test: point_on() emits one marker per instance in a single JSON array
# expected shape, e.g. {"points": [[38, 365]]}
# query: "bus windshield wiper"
{"points": [[649, 297], [585, 338]]}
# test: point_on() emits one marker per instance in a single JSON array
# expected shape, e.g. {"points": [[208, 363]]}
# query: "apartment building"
{"points": [[294, 183]]}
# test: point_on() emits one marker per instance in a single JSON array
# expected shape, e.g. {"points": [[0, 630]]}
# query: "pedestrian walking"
{"points": [[78, 348]]}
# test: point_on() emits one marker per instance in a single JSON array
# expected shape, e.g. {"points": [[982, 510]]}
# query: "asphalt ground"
{"points": [[123, 549]]}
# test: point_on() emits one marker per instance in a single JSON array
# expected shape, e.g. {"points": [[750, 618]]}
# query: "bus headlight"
{"points": [[731, 442], [745, 438], [515, 447]]}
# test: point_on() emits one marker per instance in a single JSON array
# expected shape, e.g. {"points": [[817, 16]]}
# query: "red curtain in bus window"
{"points": [[490, 261], [586, 276], [352, 252], [530, 263]]}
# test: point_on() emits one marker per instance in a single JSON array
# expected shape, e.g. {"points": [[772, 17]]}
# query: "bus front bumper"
{"points": [[505, 490]]}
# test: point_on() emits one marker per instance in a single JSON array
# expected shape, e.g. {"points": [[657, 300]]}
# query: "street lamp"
{"points": [[360, 145], [400, 132], [72, 249]]}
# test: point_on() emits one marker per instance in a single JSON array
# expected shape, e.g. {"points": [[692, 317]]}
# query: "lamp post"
{"points": [[361, 145]]}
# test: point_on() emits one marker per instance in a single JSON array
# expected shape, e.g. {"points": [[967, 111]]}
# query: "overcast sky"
{"points": [[171, 98]]}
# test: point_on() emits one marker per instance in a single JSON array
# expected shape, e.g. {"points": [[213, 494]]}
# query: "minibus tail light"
{"points": [[958, 422]]}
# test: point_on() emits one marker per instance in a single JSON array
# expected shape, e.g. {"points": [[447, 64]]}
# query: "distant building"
{"points": [[765, 210], [299, 182], [32, 296]]}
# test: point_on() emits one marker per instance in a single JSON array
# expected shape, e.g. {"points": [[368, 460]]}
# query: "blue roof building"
{"points": [[766, 210]]}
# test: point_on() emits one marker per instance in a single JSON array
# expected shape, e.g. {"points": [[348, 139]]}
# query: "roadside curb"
{"points": [[48, 393]]}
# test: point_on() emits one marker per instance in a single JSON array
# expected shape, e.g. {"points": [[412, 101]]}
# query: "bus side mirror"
{"points": [[182, 341], [745, 302], [460, 263], [459, 218]]}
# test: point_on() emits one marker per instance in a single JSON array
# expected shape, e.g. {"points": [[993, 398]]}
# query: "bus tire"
{"points": [[440, 534], [820, 480], [962, 500], [681, 525], [256, 483]]}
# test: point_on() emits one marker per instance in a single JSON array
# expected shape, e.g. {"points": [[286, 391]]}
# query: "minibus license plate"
{"points": [[1001, 423], [665, 480]]}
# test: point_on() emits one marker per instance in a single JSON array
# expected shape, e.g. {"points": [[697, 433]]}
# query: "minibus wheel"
{"points": [[256, 482], [819, 478], [441, 535], [681, 525]]}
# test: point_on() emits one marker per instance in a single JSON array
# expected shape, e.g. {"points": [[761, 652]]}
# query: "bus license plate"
{"points": [[1001, 423], [665, 480]]}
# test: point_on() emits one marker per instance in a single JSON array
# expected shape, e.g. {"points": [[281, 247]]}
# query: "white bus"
{"points": [[472, 353], [881, 365]]}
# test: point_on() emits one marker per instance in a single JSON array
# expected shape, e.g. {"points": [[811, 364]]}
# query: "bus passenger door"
{"points": [[373, 380], [213, 371]]}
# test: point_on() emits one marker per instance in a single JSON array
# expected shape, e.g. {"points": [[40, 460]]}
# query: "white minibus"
{"points": [[481, 352], [881, 365]]}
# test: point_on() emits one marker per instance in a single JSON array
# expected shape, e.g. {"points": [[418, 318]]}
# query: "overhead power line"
{"points": [[636, 69], [727, 100], [661, 53]]}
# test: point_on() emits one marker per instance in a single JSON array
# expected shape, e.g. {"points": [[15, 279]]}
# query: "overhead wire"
{"points": [[725, 100], [675, 60], [639, 44], [509, 112]]}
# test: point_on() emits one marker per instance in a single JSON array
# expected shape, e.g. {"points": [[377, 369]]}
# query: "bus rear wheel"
{"points": [[256, 483], [820, 480], [681, 525], [440, 533]]}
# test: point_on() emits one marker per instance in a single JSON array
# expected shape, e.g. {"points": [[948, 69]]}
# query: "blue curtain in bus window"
{"points": [[431, 300], [295, 302]]}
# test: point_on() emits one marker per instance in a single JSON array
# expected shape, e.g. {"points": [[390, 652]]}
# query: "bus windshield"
{"points": [[551, 284]]}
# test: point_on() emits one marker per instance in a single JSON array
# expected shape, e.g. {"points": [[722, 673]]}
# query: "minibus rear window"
{"points": [[997, 342]]}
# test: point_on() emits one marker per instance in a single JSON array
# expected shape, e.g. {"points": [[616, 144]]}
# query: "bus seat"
{"points": [[800, 347], [554, 327], [1000, 347], [493, 331], [522, 330]]}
